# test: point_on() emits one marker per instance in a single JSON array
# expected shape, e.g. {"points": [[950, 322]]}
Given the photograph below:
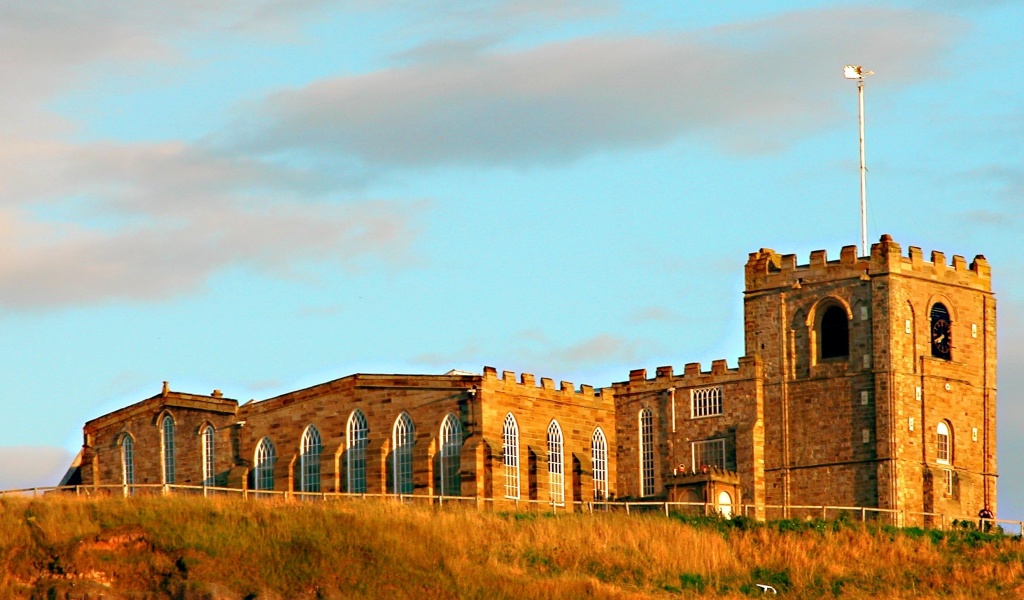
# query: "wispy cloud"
{"points": [[532, 348], [753, 87]]}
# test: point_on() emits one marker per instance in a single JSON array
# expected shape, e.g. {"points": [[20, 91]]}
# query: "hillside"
{"points": [[195, 548]]}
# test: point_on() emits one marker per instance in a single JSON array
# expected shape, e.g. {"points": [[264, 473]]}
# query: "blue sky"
{"points": [[263, 195]]}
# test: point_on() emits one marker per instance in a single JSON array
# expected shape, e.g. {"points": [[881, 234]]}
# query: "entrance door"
{"points": [[725, 504]]}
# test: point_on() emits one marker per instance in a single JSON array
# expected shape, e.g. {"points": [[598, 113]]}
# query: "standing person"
{"points": [[985, 515]]}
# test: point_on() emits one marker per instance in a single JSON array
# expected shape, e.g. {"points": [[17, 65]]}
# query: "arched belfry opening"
{"points": [[834, 333]]}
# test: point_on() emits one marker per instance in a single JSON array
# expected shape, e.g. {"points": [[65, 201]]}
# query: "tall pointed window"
{"points": [[266, 456], [309, 460], [209, 465], [127, 460], [599, 458], [451, 449], [944, 438], [167, 448], [941, 332], [403, 435], [834, 333], [556, 464], [510, 456], [356, 439], [646, 452]]}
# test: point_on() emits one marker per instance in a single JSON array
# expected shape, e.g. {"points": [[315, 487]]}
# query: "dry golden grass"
{"points": [[196, 548]]}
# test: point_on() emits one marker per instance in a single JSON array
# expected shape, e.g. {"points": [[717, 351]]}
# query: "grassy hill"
{"points": [[57, 547]]}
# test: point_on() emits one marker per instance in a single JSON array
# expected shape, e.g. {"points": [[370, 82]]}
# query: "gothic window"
{"points": [[705, 402], [941, 332], [266, 456], [209, 471], [646, 452], [451, 449], [309, 460], [510, 455], [556, 464], [356, 440], [127, 460], [834, 333], [167, 448], [403, 437], [944, 442], [708, 453], [599, 456]]}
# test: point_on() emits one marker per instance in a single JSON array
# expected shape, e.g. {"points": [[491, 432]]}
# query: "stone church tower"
{"points": [[879, 378]]}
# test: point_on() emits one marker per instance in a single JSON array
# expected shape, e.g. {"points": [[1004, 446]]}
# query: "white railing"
{"points": [[887, 516]]}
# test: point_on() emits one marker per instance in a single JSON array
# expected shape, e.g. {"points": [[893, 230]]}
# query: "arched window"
{"points": [[263, 476], [944, 440], [209, 466], [834, 333], [403, 436], [510, 455], [127, 460], [309, 460], [941, 332], [167, 448], [646, 452], [599, 457], [556, 464], [356, 439], [451, 449]]}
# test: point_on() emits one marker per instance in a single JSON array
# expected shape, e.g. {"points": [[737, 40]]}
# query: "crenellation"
{"points": [[664, 372], [819, 259], [916, 257], [691, 370], [547, 383], [938, 260], [719, 367], [527, 379], [959, 263], [638, 375], [848, 255]]}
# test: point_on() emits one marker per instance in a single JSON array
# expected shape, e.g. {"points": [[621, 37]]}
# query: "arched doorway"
{"points": [[725, 504]]}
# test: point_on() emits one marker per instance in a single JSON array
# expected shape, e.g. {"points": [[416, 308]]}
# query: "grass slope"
{"points": [[57, 547]]}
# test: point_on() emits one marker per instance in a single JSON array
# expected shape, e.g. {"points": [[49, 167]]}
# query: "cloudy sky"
{"points": [[263, 195]]}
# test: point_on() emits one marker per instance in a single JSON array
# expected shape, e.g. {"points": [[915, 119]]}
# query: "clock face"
{"points": [[941, 342]]}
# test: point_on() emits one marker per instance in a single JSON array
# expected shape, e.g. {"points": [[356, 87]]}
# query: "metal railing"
{"points": [[765, 512]]}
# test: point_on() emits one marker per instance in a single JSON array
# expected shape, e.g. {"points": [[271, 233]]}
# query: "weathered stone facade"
{"points": [[867, 381]]}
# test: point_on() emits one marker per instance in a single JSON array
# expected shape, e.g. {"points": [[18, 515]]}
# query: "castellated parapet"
{"points": [[766, 269]]}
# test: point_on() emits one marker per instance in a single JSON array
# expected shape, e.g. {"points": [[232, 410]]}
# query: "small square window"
{"points": [[911, 423], [974, 330], [974, 434], [864, 398], [866, 435], [705, 402]]}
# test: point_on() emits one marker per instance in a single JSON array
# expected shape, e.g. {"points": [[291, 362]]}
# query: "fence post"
{"points": [[823, 517], [666, 509], [627, 508], [863, 515]]}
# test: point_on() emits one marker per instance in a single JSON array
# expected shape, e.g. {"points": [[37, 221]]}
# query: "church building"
{"points": [[867, 381]]}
